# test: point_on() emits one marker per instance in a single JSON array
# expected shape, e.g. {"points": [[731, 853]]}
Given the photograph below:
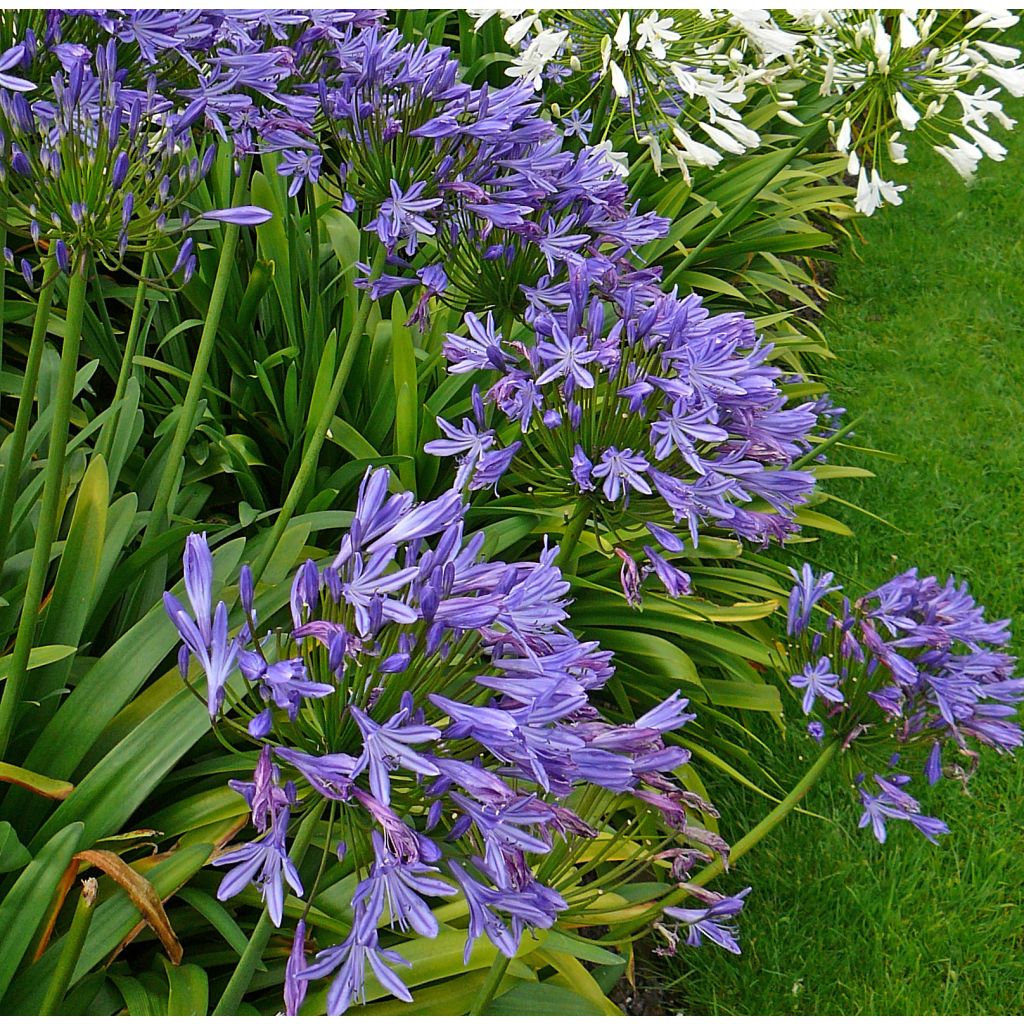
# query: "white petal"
{"points": [[619, 83], [909, 36], [622, 32], [845, 136], [908, 116]]}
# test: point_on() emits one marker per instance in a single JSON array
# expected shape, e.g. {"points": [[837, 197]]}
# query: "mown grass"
{"points": [[929, 332]]}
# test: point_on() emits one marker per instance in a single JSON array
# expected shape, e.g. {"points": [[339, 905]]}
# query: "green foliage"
{"points": [[104, 707], [938, 372]]}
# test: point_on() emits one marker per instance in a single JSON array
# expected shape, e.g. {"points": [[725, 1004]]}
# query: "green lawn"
{"points": [[929, 331]]}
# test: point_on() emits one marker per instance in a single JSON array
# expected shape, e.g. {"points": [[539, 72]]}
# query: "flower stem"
{"points": [[491, 983], [3, 272], [71, 950], [310, 456], [739, 848], [16, 445], [106, 438], [767, 823], [49, 509], [239, 982], [169, 480], [568, 555]]}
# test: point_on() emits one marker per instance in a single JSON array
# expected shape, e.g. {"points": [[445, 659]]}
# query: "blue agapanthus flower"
{"points": [[657, 419], [710, 922], [473, 180], [441, 702], [91, 165], [913, 669]]}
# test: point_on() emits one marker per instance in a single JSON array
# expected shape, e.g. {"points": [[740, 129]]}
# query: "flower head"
{"points": [[655, 416], [456, 734], [912, 666]]}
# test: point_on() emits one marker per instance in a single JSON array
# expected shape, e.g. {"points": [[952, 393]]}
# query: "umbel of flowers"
{"points": [[255, 71], [929, 74], [90, 165], [685, 83], [438, 706], [468, 189], [909, 679], [677, 81], [656, 419]]}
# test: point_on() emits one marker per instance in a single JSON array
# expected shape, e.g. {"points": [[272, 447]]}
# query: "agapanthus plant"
{"points": [[95, 168], [428, 713], [676, 81], [930, 74], [909, 680], [92, 172], [642, 412], [468, 190]]}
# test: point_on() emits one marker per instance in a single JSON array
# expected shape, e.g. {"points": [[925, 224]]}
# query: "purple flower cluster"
{"points": [[440, 702], [253, 71], [911, 666], [708, 922], [469, 190], [470, 183], [644, 408], [90, 164]]}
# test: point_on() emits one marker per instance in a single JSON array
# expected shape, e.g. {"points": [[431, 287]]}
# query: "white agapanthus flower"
{"points": [[532, 61], [978, 106], [617, 161], [897, 151], [654, 32], [962, 155], [845, 136], [905, 112], [772, 41], [692, 84], [1011, 79], [873, 192]]}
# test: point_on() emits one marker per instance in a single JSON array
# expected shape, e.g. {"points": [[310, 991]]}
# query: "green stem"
{"points": [[491, 983], [314, 259], [747, 842], [240, 980], [167, 488], [602, 119], [767, 823], [106, 438], [3, 273], [315, 442], [49, 509], [568, 554], [70, 951], [16, 446]]}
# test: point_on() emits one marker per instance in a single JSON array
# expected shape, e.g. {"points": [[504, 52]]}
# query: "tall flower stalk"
{"points": [[23, 417], [169, 478], [50, 505]]}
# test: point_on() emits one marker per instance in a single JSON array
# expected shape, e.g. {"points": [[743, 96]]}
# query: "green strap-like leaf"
{"points": [[25, 906]]}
